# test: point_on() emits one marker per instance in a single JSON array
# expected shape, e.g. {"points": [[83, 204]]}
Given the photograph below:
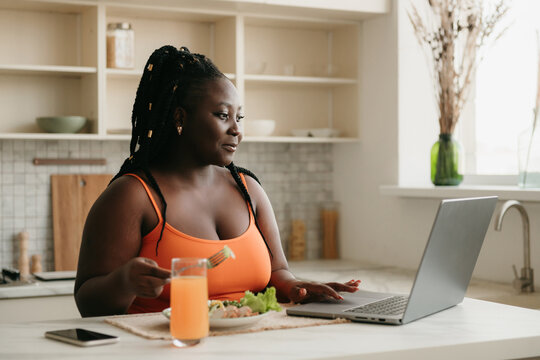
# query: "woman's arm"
{"points": [[109, 273], [287, 286]]}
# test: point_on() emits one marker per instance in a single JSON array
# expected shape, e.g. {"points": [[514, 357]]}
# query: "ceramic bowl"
{"points": [[261, 127], [61, 124]]}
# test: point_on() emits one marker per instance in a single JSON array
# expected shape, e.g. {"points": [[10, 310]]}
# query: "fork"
{"points": [[219, 257], [213, 260]]}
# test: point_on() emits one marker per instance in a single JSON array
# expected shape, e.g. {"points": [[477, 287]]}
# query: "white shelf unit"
{"points": [[53, 62], [48, 64], [202, 32], [315, 87]]}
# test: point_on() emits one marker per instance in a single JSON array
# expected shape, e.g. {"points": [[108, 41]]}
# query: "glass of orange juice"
{"points": [[189, 301]]}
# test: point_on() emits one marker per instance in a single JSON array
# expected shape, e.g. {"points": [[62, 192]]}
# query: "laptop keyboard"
{"points": [[394, 305]]}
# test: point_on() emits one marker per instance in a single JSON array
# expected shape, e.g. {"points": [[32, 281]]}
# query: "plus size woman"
{"points": [[179, 194]]}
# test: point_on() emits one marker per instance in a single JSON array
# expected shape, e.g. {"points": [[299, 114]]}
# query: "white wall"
{"points": [[398, 125]]}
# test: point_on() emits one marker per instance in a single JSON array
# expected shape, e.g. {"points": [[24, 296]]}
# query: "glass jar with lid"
{"points": [[120, 46]]}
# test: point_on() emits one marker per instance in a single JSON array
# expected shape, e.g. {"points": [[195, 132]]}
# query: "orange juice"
{"points": [[189, 307]]}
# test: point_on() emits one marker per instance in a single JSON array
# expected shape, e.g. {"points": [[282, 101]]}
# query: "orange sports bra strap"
{"points": [[243, 179], [150, 196], [245, 184]]}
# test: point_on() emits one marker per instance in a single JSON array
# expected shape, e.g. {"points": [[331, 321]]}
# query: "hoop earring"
{"points": [[179, 129]]}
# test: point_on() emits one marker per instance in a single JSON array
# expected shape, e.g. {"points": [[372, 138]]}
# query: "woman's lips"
{"points": [[230, 147]]}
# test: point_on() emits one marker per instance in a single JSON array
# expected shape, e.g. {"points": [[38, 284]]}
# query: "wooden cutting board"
{"points": [[72, 197]]}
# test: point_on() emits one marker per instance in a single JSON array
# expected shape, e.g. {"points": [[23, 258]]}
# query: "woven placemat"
{"points": [[156, 326]]}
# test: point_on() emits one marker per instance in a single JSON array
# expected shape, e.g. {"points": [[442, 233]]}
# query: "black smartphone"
{"points": [[81, 337]]}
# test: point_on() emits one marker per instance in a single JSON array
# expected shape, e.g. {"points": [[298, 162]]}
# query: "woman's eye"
{"points": [[223, 116], [239, 118]]}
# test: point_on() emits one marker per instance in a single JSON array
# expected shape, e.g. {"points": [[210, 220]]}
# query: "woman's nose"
{"points": [[235, 129]]}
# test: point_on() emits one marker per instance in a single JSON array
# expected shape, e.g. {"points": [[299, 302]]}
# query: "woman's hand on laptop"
{"points": [[310, 291]]}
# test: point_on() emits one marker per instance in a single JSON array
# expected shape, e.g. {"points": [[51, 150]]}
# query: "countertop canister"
{"points": [[329, 228], [120, 46]]}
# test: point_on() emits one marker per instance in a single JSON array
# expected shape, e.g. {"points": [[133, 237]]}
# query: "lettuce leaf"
{"points": [[262, 302]]}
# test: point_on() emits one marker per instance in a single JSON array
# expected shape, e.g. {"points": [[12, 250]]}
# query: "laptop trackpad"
{"points": [[350, 300]]}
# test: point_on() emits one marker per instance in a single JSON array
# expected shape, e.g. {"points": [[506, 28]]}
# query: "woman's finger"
{"points": [[298, 294], [343, 287], [323, 289], [150, 267]]}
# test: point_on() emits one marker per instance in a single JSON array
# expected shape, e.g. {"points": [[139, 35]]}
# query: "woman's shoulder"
{"points": [[253, 184], [124, 192]]}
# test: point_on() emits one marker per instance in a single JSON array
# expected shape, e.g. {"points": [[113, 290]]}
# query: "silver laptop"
{"points": [[442, 277]]}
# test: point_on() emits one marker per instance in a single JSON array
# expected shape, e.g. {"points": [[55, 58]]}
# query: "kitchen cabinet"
{"points": [[38, 300], [301, 71], [48, 64]]}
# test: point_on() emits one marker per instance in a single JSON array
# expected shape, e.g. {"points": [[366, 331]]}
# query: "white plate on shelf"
{"points": [[316, 133], [216, 323]]}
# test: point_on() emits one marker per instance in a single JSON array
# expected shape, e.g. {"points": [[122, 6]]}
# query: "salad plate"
{"points": [[224, 323], [261, 304]]}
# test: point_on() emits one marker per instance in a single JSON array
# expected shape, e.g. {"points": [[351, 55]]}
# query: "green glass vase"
{"points": [[446, 161]]}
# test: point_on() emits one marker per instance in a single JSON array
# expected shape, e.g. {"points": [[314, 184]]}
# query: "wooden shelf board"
{"points": [[60, 6], [160, 12], [46, 70], [291, 11], [295, 22], [297, 139], [50, 136], [129, 73], [127, 137], [299, 80]]}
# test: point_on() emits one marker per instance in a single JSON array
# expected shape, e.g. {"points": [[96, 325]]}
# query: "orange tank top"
{"points": [[250, 270]]}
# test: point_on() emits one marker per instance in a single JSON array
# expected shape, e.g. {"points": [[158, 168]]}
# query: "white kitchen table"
{"points": [[474, 329]]}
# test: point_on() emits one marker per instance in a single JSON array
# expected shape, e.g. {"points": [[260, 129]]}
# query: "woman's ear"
{"points": [[179, 117]]}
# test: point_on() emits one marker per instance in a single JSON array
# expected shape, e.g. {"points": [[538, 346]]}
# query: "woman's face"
{"points": [[212, 123]]}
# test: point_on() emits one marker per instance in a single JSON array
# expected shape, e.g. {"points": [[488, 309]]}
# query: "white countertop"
{"points": [[38, 288], [474, 329]]}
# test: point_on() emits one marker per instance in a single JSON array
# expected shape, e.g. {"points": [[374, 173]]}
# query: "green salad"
{"points": [[260, 303]]}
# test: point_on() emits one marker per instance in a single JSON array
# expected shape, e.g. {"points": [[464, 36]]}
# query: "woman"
{"points": [[180, 195]]}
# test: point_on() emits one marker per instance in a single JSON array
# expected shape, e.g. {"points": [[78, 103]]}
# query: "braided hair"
{"points": [[170, 76]]}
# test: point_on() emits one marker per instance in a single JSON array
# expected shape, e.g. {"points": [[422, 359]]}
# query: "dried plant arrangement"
{"points": [[453, 33]]}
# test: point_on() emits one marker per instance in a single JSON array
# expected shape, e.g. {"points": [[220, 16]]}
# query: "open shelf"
{"points": [[325, 81], [56, 63], [130, 74], [298, 139], [211, 34], [48, 136], [246, 139], [47, 70]]}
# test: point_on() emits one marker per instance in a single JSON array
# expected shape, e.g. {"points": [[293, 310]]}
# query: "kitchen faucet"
{"points": [[525, 283]]}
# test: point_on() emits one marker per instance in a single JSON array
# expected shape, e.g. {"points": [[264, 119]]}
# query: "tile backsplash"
{"points": [[296, 177]]}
